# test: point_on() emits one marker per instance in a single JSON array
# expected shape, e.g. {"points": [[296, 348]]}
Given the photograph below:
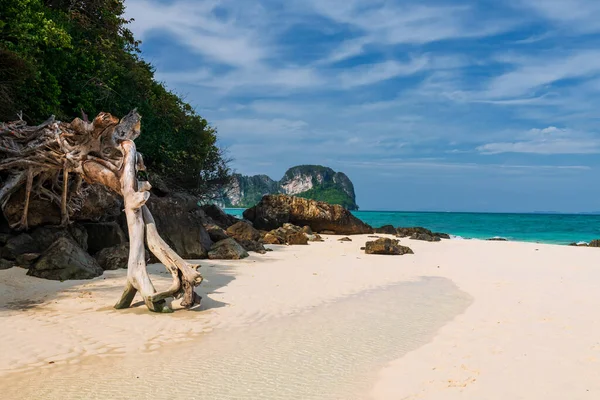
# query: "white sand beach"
{"points": [[458, 319]]}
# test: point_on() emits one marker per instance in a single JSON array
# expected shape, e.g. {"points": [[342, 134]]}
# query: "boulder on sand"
{"points": [[275, 210], [179, 221], [115, 257], [289, 234], [246, 236], [63, 260], [386, 246], [227, 249]]}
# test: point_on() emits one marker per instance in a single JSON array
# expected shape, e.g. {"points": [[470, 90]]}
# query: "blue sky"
{"points": [[449, 105]]}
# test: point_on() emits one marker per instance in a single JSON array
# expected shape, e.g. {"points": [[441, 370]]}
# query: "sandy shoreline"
{"points": [[530, 331]]}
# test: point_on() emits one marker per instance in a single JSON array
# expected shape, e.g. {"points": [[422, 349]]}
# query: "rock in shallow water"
{"points": [[386, 246]]}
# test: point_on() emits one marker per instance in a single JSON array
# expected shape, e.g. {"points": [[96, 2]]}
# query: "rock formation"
{"points": [[386, 246], [275, 210], [310, 181]]}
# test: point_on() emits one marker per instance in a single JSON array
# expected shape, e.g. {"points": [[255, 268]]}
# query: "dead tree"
{"points": [[54, 159]]}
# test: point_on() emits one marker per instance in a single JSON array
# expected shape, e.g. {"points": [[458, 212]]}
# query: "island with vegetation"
{"points": [[313, 182]]}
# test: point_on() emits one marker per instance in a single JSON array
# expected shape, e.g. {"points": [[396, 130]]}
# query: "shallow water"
{"points": [[544, 228], [333, 351]]}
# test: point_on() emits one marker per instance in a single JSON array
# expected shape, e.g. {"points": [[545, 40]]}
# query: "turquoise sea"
{"points": [[544, 228]]}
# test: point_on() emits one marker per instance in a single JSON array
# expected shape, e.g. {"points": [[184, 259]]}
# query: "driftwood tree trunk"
{"points": [[102, 152]]}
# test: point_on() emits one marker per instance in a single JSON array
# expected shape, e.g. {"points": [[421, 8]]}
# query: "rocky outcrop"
{"points": [[179, 221], [386, 229], [310, 181], [115, 257], [275, 210], [218, 216], [227, 249], [425, 237], [102, 235], [420, 233], [386, 246], [63, 260], [594, 243], [246, 236], [289, 234], [98, 204]]}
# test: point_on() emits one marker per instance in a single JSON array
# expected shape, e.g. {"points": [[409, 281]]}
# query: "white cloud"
{"points": [[383, 23], [534, 74], [194, 24], [244, 129], [572, 15], [547, 141]]}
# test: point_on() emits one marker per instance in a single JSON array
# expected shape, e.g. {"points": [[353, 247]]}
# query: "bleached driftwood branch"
{"points": [[53, 158]]}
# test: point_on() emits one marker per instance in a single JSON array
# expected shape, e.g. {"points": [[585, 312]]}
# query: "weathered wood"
{"points": [[101, 152]]}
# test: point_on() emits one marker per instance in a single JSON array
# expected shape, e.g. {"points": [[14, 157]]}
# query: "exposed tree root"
{"points": [[100, 152]]}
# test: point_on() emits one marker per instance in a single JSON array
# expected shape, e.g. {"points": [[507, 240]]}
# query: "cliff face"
{"points": [[308, 181]]}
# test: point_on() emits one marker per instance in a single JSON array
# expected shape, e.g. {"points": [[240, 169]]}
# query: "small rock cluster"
{"points": [[593, 243], [386, 246], [414, 233]]}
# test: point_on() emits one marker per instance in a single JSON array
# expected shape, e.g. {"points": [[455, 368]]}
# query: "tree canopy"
{"points": [[68, 57]]}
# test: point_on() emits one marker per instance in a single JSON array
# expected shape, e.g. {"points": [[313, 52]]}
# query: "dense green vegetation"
{"points": [[68, 57], [330, 194]]}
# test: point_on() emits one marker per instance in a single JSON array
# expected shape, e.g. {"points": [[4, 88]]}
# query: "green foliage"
{"points": [[330, 194], [66, 57], [253, 189]]}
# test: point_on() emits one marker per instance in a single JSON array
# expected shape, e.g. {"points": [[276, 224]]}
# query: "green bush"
{"points": [[65, 57]]}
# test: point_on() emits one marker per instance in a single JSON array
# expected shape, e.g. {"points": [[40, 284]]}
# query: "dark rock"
{"points": [[99, 204], [425, 237], [25, 260], [40, 211], [18, 245], [345, 239], [387, 229], [227, 249], [594, 243], [46, 235], [219, 216], [115, 257], [496, 239], [6, 264], [441, 235], [179, 222], [386, 246], [4, 237], [243, 230], [248, 237], [215, 232], [275, 210], [406, 232], [306, 229], [63, 260], [363, 248], [102, 235]]}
